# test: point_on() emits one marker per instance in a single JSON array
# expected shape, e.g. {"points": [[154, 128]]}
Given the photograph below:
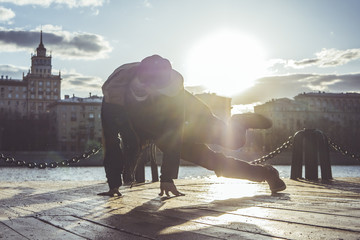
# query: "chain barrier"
{"points": [[343, 151], [43, 165], [286, 145]]}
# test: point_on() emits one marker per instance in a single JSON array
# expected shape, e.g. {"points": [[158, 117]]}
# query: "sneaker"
{"points": [[251, 120], [274, 180]]}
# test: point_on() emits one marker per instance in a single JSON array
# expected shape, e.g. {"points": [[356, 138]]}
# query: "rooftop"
{"points": [[74, 99], [327, 94]]}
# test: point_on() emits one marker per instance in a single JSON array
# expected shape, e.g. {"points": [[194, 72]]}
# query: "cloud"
{"points": [[327, 58], [64, 44], [11, 70], [268, 88], [6, 14], [83, 84], [48, 3]]}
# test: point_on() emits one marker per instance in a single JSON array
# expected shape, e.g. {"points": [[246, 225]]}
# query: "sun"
{"points": [[225, 62]]}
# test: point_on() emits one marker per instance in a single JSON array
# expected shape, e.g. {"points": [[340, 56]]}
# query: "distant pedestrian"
{"points": [[147, 100]]}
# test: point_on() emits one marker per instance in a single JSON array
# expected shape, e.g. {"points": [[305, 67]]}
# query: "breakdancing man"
{"points": [[146, 100]]}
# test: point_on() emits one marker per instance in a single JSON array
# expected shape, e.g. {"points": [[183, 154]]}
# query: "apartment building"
{"points": [[77, 123], [336, 114]]}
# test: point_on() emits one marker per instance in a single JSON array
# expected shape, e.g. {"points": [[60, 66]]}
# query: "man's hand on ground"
{"points": [[169, 187], [111, 193]]}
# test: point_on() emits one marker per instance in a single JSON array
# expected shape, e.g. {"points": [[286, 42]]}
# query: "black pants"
{"points": [[115, 124]]}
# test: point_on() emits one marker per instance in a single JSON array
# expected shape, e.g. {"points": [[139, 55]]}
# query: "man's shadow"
{"points": [[187, 222]]}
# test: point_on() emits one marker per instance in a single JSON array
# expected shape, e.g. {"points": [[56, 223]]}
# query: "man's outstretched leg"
{"points": [[225, 166]]}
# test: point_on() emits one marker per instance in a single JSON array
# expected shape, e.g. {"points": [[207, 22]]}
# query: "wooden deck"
{"points": [[212, 209]]}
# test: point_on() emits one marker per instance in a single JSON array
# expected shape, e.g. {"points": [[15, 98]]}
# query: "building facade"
{"points": [[335, 114], [77, 123], [31, 96], [13, 98]]}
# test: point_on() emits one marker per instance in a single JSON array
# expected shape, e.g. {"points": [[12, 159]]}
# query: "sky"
{"points": [[252, 51]]}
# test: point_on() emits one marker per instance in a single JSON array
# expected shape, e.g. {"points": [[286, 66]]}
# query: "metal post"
{"points": [[149, 155], [154, 168], [324, 158], [310, 146], [310, 154], [140, 169], [297, 155]]}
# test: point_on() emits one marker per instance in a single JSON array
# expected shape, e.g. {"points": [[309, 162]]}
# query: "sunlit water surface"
{"points": [[14, 174]]}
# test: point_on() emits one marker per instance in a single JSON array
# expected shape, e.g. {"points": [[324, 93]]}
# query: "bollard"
{"points": [[310, 146], [154, 168], [148, 155], [140, 168]]}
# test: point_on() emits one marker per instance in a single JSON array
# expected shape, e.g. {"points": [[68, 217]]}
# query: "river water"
{"points": [[20, 174]]}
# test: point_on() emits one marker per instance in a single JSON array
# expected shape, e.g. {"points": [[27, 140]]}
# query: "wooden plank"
{"points": [[307, 217], [159, 226], [189, 214], [32, 228], [307, 204], [197, 219], [89, 229], [211, 209], [8, 233]]}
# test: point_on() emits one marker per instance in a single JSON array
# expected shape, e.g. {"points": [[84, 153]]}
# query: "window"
{"points": [[9, 95], [40, 83], [73, 116], [48, 84], [91, 115], [16, 95]]}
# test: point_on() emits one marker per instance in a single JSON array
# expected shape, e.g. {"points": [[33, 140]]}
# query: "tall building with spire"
{"points": [[31, 96], [44, 88]]}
